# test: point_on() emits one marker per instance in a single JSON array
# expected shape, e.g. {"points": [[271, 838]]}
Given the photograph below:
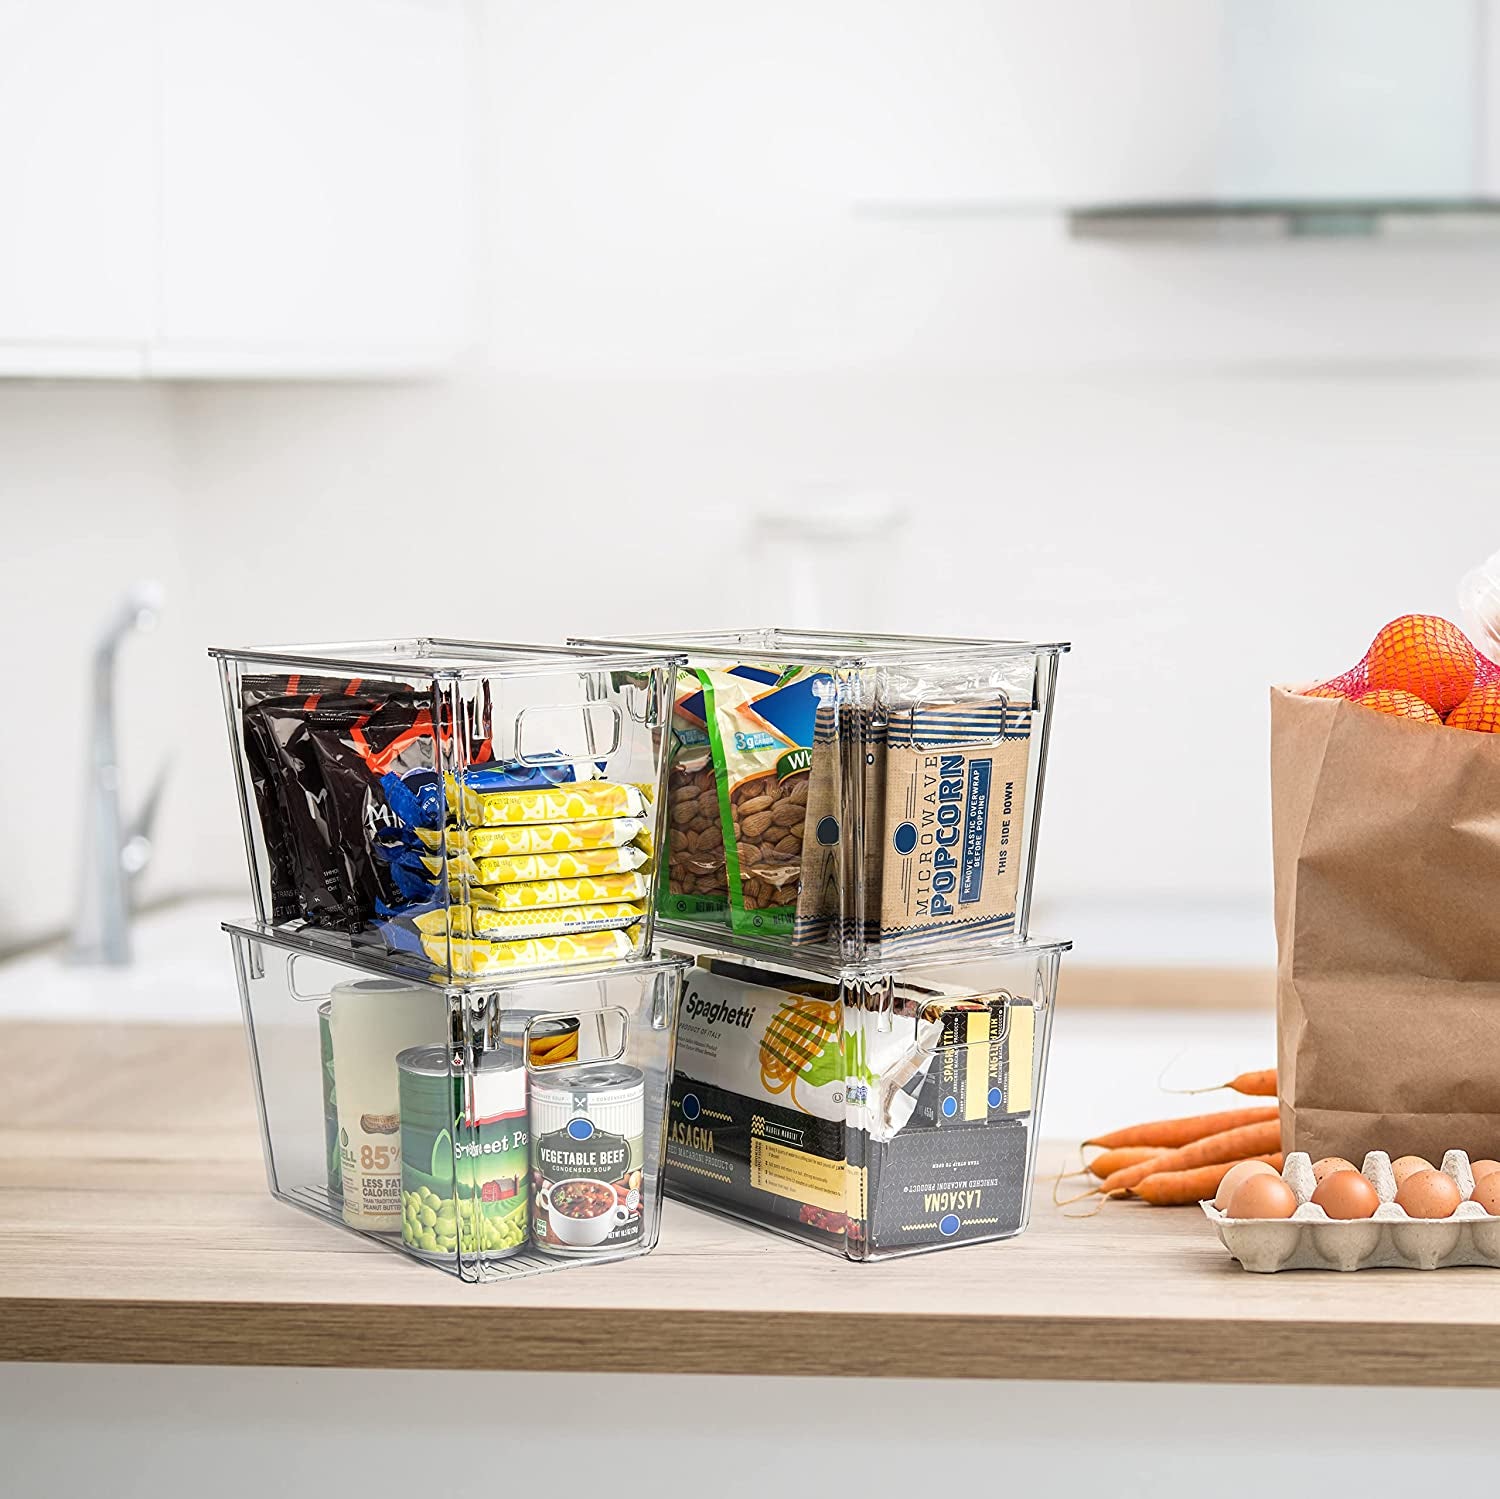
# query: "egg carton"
{"points": [[1389, 1240]]}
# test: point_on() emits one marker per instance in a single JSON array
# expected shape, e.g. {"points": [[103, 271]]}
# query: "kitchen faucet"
{"points": [[112, 853]]}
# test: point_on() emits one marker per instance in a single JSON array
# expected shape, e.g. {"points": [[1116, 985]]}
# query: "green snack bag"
{"points": [[762, 737], [692, 881]]}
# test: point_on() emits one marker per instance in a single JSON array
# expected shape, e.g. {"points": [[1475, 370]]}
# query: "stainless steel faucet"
{"points": [[112, 853]]}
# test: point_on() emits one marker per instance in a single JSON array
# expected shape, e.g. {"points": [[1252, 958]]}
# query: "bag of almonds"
{"points": [[762, 737], [693, 883]]}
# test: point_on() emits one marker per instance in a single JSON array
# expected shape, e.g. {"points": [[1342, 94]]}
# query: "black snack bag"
{"points": [[318, 750], [275, 821]]}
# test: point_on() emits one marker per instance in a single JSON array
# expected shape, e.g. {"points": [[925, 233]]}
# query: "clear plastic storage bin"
{"points": [[869, 1112], [492, 1132], [865, 797], [462, 807]]}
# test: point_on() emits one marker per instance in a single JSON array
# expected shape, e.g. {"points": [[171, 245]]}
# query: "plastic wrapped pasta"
{"points": [[530, 867], [472, 958], [536, 838], [545, 921], [582, 801], [590, 890]]}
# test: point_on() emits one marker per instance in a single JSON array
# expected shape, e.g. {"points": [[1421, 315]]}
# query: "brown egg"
{"points": [[1329, 1164], [1487, 1194], [1482, 1169], [1262, 1196], [1346, 1194], [1428, 1194], [1235, 1175], [1408, 1165]]}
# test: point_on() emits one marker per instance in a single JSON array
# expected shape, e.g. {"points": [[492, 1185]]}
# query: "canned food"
{"points": [[553, 1039], [465, 1154], [331, 1164], [587, 1127], [371, 1022]]}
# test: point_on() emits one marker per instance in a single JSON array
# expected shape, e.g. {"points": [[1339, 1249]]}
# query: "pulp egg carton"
{"points": [[1311, 1240]]}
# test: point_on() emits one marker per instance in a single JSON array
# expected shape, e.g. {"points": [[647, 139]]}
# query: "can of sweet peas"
{"points": [[465, 1154], [587, 1129]]}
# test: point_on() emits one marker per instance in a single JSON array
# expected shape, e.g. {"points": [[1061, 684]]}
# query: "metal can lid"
{"points": [[590, 1077], [326, 1009], [432, 1061]]}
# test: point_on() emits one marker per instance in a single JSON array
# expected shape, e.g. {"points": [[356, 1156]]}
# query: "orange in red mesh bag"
{"points": [[1424, 668], [1401, 704], [1480, 711]]}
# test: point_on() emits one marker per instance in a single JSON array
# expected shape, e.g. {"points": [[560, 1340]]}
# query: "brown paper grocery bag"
{"points": [[1386, 839]]}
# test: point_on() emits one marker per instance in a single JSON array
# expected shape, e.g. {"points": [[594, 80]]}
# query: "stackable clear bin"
{"points": [[464, 808], [866, 1111], [493, 1132], [859, 797]]}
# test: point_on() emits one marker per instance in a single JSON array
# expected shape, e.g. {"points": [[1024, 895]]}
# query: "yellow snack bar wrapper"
{"points": [[583, 801], [517, 867], [545, 921], [536, 837], [589, 890], [474, 959]]}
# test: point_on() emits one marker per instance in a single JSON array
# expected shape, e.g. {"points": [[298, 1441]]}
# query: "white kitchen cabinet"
{"points": [[314, 174], [225, 188], [77, 187]]}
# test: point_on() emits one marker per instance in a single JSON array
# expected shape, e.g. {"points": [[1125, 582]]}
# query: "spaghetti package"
{"points": [[798, 1108]]}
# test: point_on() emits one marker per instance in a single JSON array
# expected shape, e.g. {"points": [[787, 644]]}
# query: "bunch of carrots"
{"points": [[1171, 1162]]}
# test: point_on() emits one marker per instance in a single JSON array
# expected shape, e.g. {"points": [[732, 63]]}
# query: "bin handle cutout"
{"points": [[937, 1008], [593, 747], [291, 982], [612, 1052]]}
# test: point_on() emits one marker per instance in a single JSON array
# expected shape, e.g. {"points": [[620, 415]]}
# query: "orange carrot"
{"points": [[1228, 1145], [1166, 1189], [1175, 1132], [1110, 1161], [1260, 1084]]}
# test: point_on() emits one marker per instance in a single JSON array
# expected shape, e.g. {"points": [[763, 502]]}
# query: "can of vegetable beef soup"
{"points": [[465, 1154], [587, 1125]]}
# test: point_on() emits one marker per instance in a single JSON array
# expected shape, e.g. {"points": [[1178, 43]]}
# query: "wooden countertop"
{"points": [[135, 1227]]}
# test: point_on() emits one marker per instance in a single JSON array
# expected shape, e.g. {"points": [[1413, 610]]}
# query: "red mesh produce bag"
{"points": [[1421, 654]]}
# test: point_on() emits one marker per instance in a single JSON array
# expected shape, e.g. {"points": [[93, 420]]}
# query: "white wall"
{"points": [[87, 486], [1209, 468]]}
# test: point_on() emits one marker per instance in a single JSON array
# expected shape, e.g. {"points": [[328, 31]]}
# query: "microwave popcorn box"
{"points": [[493, 1131], [859, 798], [1389, 1240], [866, 1111], [391, 791]]}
